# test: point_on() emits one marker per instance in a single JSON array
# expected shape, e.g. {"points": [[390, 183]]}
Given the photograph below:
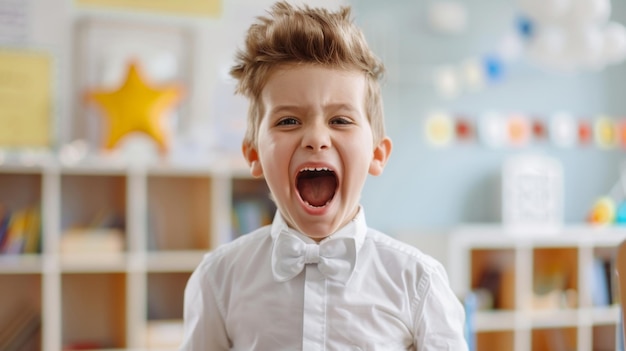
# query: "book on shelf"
{"points": [[107, 218], [16, 233], [20, 231], [601, 290], [32, 238], [5, 218], [20, 330], [92, 240], [611, 276], [102, 235]]}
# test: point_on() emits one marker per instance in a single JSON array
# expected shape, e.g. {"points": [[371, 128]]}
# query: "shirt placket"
{"points": [[314, 319]]}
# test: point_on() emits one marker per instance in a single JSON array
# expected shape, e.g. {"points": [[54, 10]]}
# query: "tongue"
{"points": [[317, 189]]}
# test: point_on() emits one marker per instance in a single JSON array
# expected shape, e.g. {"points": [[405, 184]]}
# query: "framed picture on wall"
{"points": [[106, 47], [532, 195]]}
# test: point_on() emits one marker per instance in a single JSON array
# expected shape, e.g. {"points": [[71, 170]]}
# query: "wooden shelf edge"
{"points": [[93, 263], [174, 261], [21, 264], [486, 321]]}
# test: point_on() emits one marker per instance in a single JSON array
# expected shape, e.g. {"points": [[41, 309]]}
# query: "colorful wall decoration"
{"points": [[518, 130]]}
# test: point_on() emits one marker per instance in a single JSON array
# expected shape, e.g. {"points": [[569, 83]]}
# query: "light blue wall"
{"points": [[423, 187]]}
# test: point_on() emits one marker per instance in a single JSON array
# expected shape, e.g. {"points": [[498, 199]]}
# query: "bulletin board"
{"points": [[25, 98]]}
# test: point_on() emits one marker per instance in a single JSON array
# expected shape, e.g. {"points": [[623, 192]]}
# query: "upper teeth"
{"points": [[311, 169]]}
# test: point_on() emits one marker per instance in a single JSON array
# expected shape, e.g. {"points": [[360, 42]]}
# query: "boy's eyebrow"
{"points": [[341, 107], [330, 106], [284, 108]]}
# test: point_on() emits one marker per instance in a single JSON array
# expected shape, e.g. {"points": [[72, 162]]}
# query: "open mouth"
{"points": [[316, 186]]}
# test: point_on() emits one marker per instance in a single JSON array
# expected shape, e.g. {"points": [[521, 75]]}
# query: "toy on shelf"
{"points": [[136, 106], [603, 211], [611, 208]]}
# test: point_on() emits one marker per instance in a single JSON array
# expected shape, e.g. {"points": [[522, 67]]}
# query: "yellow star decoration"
{"points": [[136, 107]]}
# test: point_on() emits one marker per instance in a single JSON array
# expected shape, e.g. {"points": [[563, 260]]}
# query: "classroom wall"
{"points": [[422, 186], [428, 188]]}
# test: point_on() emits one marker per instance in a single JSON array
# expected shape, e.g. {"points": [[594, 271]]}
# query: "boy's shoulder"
{"points": [[394, 249], [245, 246]]}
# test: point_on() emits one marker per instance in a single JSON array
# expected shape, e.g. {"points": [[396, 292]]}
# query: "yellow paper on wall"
{"points": [[210, 8], [25, 99]]}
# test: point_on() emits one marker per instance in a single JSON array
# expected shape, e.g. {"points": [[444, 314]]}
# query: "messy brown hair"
{"points": [[291, 35]]}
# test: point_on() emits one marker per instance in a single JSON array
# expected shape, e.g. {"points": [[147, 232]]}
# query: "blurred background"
{"points": [[468, 62], [120, 161], [475, 65], [493, 63]]}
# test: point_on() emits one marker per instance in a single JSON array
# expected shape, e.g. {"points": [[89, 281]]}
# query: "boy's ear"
{"points": [[381, 155], [251, 155]]}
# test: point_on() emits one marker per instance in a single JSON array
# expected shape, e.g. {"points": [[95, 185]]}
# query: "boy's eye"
{"points": [[340, 120], [287, 121]]}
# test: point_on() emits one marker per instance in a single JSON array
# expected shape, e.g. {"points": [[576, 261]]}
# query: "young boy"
{"points": [[318, 278]]}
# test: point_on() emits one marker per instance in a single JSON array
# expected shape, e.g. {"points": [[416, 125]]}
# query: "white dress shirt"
{"points": [[396, 298]]}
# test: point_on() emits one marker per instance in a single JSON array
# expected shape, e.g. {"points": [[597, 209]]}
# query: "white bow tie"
{"points": [[335, 258]]}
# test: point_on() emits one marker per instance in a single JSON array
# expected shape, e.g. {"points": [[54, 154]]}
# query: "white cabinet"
{"points": [[538, 289], [101, 297]]}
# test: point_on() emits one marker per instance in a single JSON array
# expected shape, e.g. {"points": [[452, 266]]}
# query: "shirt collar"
{"points": [[356, 228]]}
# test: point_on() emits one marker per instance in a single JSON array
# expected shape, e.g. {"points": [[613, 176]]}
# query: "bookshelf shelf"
{"points": [[554, 318], [173, 261], [142, 231], [604, 315], [114, 262], [538, 292], [21, 264], [494, 320]]}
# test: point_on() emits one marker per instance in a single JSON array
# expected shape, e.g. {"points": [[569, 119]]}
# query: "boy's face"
{"points": [[315, 146]]}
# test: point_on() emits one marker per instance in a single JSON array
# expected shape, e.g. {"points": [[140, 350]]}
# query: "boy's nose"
{"points": [[316, 138]]}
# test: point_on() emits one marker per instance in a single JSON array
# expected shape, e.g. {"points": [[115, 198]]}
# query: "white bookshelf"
{"points": [[523, 258], [172, 216]]}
